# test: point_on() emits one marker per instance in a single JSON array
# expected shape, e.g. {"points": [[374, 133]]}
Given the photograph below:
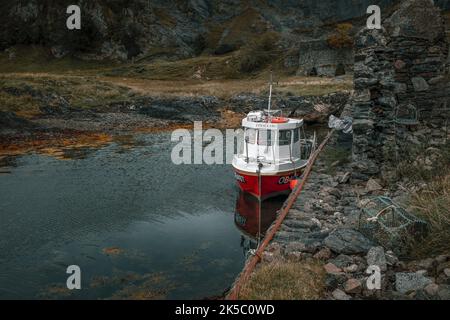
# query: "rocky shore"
{"points": [[58, 117], [400, 118], [324, 225]]}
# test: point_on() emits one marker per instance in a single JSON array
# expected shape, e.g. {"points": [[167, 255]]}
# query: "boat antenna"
{"points": [[270, 92]]}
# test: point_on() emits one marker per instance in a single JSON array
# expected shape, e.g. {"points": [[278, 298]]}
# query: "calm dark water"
{"points": [[137, 225]]}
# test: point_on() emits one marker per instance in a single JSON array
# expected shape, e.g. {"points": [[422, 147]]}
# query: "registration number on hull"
{"points": [[285, 180]]}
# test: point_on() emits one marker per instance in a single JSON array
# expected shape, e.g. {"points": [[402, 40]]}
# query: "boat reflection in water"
{"points": [[246, 217]]}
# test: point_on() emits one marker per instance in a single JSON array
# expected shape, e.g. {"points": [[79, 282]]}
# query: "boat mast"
{"points": [[270, 95]]}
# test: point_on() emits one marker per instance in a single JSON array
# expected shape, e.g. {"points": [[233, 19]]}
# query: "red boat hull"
{"points": [[271, 185], [247, 213]]}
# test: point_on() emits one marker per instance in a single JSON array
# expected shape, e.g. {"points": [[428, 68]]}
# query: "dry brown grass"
{"points": [[96, 84], [201, 75], [314, 86], [428, 190], [285, 280], [432, 204], [303, 86], [24, 106], [80, 92], [98, 91]]}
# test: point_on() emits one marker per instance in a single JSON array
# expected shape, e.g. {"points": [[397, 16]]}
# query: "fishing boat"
{"points": [[274, 152]]}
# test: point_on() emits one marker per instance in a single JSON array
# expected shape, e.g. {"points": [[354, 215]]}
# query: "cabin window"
{"points": [[265, 137], [251, 135], [285, 137], [296, 135]]}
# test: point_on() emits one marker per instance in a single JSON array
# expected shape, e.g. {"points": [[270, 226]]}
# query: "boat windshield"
{"points": [[265, 137], [285, 137], [250, 134], [296, 135]]}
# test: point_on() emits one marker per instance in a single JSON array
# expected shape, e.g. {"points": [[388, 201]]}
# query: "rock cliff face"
{"points": [[402, 89], [151, 29], [124, 29]]}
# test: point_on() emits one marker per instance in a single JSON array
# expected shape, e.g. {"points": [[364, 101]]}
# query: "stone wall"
{"points": [[402, 94], [317, 58]]}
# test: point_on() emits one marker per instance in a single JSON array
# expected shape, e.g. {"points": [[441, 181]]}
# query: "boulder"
{"points": [[447, 272], [432, 289], [342, 261], [420, 84], [351, 268], [372, 185], [444, 292], [331, 268], [376, 257], [406, 282], [391, 258], [340, 295], [348, 241], [353, 286], [323, 254]]}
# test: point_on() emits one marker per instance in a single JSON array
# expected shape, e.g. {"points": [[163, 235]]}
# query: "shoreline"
{"points": [[62, 125], [322, 234]]}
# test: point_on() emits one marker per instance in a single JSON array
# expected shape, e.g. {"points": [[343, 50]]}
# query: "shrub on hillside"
{"points": [[259, 53], [224, 49], [342, 37]]}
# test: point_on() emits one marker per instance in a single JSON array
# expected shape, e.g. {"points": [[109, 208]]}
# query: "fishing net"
{"points": [[386, 222]]}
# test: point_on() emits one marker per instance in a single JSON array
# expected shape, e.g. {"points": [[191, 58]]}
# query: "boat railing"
{"points": [[307, 147], [255, 159], [265, 161]]}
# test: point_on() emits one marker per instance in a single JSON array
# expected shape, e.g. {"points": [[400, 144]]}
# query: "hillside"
{"points": [[144, 29], [210, 38]]}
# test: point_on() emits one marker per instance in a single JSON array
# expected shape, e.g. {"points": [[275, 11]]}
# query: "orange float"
{"points": [[293, 183], [279, 120]]}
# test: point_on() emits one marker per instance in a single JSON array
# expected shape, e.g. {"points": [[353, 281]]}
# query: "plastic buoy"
{"points": [[279, 120], [293, 183]]}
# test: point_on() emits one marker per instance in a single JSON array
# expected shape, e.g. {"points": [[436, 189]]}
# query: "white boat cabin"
{"points": [[278, 143]]}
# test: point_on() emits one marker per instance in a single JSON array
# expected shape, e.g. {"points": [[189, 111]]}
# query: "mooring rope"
{"points": [[250, 266]]}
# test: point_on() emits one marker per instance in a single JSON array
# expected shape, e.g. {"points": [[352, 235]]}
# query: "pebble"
{"points": [[340, 295], [332, 269], [353, 286], [432, 289]]}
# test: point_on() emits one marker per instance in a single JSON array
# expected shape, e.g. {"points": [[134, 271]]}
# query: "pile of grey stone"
{"points": [[323, 225], [401, 103]]}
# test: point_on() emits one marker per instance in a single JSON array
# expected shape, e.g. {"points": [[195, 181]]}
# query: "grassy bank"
{"points": [[285, 280], [25, 93], [429, 199], [299, 86], [432, 203], [31, 76]]}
